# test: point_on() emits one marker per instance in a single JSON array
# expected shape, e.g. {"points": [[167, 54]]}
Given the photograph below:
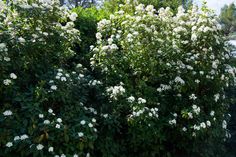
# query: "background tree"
{"points": [[112, 5], [228, 18]]}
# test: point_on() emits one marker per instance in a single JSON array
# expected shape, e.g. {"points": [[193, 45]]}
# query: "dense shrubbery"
{"points": [[174, 70], [43, 102], [160, 88]]}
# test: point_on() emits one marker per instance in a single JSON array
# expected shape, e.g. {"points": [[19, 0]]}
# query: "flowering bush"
{"points": [[175, 70], [43, 102], [160, 87]]}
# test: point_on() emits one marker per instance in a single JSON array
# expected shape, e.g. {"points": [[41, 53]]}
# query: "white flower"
{"points": [[217, 97], [59, 74], [114, 47], [172, 122], [9, 144], [73, 16], [110, 40], [94, 120], [16, 138], [60, 70], [41, 115], [150, 8], [208, 123], [141, 101], [40, 147], [201, 72], [7, 82], [46, 121], [224, 124], [7, 113], [195, 127], [194, 37], [197, 81], [90, 125], [190, 115], [81, 75], [215, 65], [59, 120], [212, 113], [82, 122], [105, 48], [50, 149], [140, 7], [63, 78], [131, 99], [120, 12], [192, 97], [203, 125], [98, 35], [13, 76], [105, 115], [150, 114], [79, 66], [196, 109], [184, 129], [175, 114], [21, 40], [179, 80], [63, 155], [80, 134], [53, 87], [50, 110], [87, 155], [7, 59], [115, 91], [75, 155], [23, 137], [58, 126], [2, 45]]}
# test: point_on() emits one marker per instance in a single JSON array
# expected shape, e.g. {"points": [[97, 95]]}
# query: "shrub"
{"points": [[174, 71], [43, 103]]}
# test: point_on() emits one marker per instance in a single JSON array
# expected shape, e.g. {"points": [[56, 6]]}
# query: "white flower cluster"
{"points": [[131, 99], [196, 109], [202, 125], [54, 122], [94, 83], [7, 82], [163, 87], [145, 112], [91, 110], [90, 124], [17, 139], [65, 78], [115, 91], [7, 113], [173, 121]]}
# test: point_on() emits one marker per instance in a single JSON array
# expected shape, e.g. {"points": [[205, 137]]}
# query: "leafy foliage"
{"points": [[228, 18]]}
